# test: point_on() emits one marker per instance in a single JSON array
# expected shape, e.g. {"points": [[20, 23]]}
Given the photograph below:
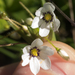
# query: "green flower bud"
{"points": [[63, 54], [29, 21]]}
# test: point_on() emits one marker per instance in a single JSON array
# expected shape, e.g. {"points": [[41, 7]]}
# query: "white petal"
{"points": [[26, 49], [41, 16], [35, 22], [45, 64], [42, 55], [43, 25], [25, 59], [41, 22], [43, 32], [46, 50], [49, 25], [49, 7], [38, 12], [56, 24], [34, 65], [36, 43], [43, 10]]}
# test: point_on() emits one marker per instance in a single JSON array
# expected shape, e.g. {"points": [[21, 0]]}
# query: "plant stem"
{"points": [[13, 25], [61, 12], [72, 18], [43, 2], [8, 53], [16, 43], [71, 21], [27, 9], [52, 44], [16, 22], [51, 35]]}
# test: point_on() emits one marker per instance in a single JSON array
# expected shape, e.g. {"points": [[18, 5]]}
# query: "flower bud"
{"points": [[25, 28], [63, 54], [29, 21], [15, 35], [2, 14]]}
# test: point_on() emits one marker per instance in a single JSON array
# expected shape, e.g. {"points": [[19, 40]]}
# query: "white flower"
{"points": [[45, 19], [37, 56]]}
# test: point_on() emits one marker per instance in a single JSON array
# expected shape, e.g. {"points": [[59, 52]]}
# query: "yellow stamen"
{"points": [[48, 17], [34, 52]]}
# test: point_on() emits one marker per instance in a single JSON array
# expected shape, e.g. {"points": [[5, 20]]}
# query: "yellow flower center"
{"points": [[34, 52], [48, 17]]}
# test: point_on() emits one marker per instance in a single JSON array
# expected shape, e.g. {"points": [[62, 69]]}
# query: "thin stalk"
{"points": [[61, 12], [71, 21], [16, 22], [72, 18], [19, 30], [51, 35], [27, 9], [7, 40], [13, 48], [11, 44], [43, 2], [13, 25], [8, 53], [52, 44]]}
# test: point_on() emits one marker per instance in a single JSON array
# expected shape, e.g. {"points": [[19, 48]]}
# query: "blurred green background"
{"points": [[15, 11]]}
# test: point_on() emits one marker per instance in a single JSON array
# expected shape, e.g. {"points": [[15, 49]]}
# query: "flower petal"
{"points": [[35, 22], [41, 22], [43, 10], [25, 58], [49, 7], [49, 25], [36, 43], [42, 55], [56, 24], [38, 12], [41, 16], [46, 50], [45, 64], [26, 49], [43, 32], [34, 65]]}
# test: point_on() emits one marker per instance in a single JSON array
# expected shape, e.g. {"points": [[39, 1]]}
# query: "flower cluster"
{"points": [[46, 19], [37, 56]]}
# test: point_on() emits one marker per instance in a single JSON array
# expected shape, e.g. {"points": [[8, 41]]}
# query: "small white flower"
{"points": [[36, 56], [46, 19]]}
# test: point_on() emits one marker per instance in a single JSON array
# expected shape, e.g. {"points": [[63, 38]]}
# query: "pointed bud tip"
{"points": [[63, 54]]}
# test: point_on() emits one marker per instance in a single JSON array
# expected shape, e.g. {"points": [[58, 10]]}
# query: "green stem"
{"points": [[16, 22], [27, 9], [52, 44], [19, 30], [51, 35], [43, 2], [13, 48], [8, 53], [13, 25], [7, 40]]}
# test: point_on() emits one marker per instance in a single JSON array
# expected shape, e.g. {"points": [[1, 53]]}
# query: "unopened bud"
{"points": [[63, 54], [15, 35], [29, 21], [2, 14], [25, 28]]}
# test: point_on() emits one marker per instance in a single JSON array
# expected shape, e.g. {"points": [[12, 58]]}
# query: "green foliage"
{"points": [[3, 25]]}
